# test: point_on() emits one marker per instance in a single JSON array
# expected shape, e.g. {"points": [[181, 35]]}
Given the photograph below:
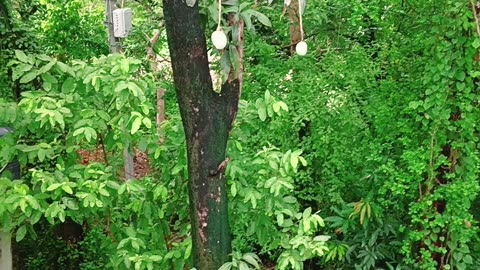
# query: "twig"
{"points": [[102, 142], [474, 10]]}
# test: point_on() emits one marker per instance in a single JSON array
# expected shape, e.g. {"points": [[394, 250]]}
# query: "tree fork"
{"points": [[207, 119]]}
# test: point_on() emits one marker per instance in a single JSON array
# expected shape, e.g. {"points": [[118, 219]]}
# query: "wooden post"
{"points": [[113, 43]]}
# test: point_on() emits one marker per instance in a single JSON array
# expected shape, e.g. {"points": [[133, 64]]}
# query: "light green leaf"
{"points": [[147, 122], [22, 56], [322, 238], [21, 232], [136, 125], [68, 85], [120, 86], [67, 189], [280, 219], [78, 131], [476, 43], [307, 213], [226, 266], [41, 155], [276, 107], [252, 259], [29, 77], [47, 67], [243, 266], [261, 18], [53, 186], [262, 113], [294, 161], [47, 77], [188, 252]]}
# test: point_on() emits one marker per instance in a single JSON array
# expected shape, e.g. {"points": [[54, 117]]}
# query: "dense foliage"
{"points": [[363, 154]]}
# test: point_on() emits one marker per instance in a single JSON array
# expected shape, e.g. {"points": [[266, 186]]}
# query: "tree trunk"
{"points": [[207, 119], [295, 30]]}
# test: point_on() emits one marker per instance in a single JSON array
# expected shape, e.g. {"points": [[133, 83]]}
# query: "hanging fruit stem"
{"points": [[300, 14], [219, 27]]}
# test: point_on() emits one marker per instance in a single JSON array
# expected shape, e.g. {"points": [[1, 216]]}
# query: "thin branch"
{"points": [[474, 10]]}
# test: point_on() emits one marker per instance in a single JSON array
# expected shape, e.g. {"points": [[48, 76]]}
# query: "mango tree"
{"points": [[207, 119]]}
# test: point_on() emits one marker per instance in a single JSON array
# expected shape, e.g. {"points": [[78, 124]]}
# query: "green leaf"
{"points": [[35, 217], [135, 89], [47, 77], [90, 133], [476, 43], [125, 65], [147, 122], [32, 202], [280, 219], [156, 258], [41, 155], [226, 266], [104, 192], [29, 77], [262, 113], [468, 259], [261, 17], [233, 189], [188, 252], [136, 125], [276, 107], [303, 161], [21, 232], [247, 18], [122, 189], [65, 69], [283, 105], [243, 266], [251, 259], [235, 60], [22, 56], [120, 86], [78, 132], [294, 161], [67, 189], [68, 85], [53, 186], [322, 238], [290, 199], [46, 67], [306, 214]]}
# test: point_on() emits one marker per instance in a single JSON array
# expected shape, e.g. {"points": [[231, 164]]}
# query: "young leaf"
{"points": [[226, 266], [261, 17], [28, 77], [22, 56], [21, 232], [136, 125]]}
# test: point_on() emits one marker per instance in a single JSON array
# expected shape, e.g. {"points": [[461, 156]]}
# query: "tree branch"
{"points": [[475, 16]]}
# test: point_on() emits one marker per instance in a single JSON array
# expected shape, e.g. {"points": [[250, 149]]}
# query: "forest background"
{"points": [[363, 154]]}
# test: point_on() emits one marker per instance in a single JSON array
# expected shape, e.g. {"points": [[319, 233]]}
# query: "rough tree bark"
{"points": [[207, 119], [295, 30]]}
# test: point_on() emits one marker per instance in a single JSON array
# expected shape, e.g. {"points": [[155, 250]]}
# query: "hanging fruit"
{"points": [[219, 39], [301, 48]]}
